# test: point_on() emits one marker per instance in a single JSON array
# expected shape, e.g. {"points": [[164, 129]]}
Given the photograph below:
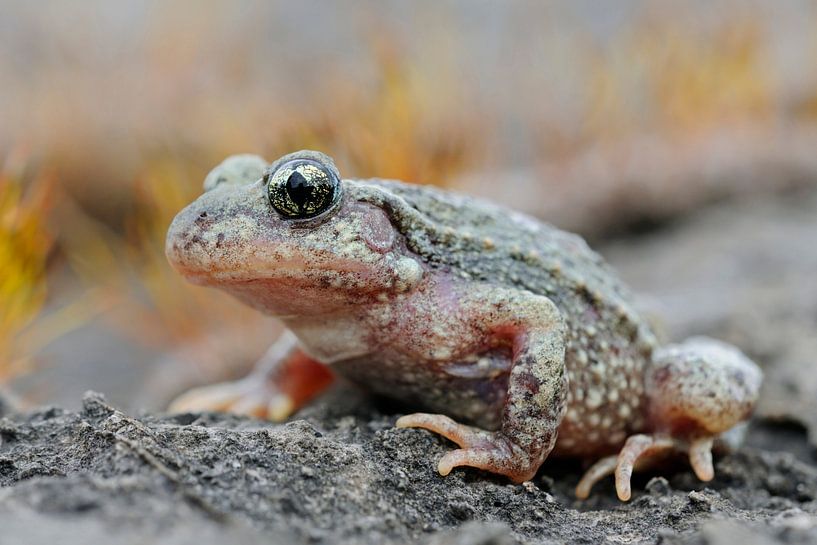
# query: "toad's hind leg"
{"points": [[284, 380], [697, 391]]}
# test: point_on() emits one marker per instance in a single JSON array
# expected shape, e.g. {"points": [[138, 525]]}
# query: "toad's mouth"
{"points": [[292, 272], [293, 288]]}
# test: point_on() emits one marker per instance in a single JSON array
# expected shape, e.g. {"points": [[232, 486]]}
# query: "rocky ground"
{"points": [[340, 472]]}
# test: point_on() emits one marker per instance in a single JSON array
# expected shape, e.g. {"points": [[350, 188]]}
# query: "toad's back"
{"points": [[608, 345]]}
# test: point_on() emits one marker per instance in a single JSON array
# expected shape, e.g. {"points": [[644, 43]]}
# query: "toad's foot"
{"points": [[639, 450], [252, 396], [490, 451]]}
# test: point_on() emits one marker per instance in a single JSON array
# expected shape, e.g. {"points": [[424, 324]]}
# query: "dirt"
{"points": [[341, 473]]}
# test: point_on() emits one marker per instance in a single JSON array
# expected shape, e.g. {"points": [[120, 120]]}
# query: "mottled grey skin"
{"points": [[607, 343], [465, 309]]}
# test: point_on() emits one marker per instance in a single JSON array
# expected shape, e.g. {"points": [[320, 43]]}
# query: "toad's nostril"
{"points": [[203, 220]]}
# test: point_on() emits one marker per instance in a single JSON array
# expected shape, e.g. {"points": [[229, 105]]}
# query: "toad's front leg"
{"points": [[537, 385], [283, 381]]}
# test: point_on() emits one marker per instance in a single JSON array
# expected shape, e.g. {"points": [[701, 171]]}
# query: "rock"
{"points": [[800, 529], [476, 533], [341, 473]]}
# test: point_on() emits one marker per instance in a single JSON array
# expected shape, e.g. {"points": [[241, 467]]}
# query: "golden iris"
{"points": [[302, 189]]}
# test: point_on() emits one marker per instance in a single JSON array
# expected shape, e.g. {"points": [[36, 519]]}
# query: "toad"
{"points": [[516, 339]]}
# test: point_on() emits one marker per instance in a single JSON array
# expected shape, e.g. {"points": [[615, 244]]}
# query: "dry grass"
{"points": [[661, 79], [25, 243]]}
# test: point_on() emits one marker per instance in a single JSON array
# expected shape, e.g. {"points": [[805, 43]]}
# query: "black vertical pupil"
{"points": [[299, 189]]}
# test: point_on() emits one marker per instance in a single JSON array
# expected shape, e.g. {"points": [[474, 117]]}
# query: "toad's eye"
{"points": [[302, 188]]}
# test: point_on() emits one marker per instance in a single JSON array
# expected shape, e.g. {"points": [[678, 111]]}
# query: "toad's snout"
{"points": [[218, 232], [191, 245], [200, 243]]}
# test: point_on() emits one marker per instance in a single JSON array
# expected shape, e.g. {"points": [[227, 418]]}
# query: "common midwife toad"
{"points": [[518, 340]]}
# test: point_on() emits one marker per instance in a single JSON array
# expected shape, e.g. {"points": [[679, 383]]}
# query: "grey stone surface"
{"points": [[341, 473]]}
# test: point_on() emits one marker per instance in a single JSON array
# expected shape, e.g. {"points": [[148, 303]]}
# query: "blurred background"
{"points": [[622, 121]]}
